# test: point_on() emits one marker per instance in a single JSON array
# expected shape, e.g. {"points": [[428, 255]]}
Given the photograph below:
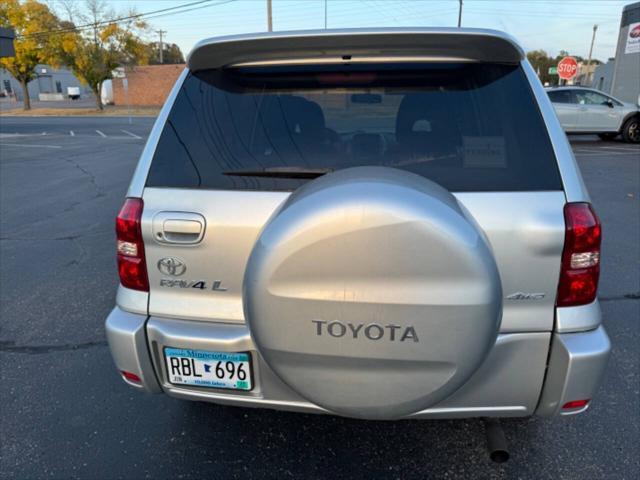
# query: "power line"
{"points": [[505, 13], [190, 9], [425, 14], [107, 22], [288, 20], [162, 12]]}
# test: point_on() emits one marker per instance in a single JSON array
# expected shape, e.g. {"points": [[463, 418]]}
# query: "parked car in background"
{"points": [[589, 111], [106, 92], [360, 222], [73, 93]]}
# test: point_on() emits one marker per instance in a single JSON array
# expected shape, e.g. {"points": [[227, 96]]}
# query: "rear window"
{"points": [[468, 127], [561, 96]]}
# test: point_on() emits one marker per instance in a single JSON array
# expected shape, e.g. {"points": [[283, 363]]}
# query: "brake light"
{"points": [[360, 78], [580, 257], [574, 404], [131, 262], [132, 377]]}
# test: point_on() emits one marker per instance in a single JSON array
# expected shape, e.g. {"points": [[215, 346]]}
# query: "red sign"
{"points": [[567, 68]]}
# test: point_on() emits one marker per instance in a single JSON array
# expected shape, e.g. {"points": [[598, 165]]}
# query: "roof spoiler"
{"points": [[327, 46]]}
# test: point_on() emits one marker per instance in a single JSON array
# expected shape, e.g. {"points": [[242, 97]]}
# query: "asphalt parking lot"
{"points": [[66, 414]]}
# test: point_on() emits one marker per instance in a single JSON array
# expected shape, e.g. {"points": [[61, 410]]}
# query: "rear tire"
{"points": [[607, 136], [631, 130]]}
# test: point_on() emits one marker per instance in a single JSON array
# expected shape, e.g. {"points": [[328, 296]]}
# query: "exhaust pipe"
{"points": [[496, 442]]}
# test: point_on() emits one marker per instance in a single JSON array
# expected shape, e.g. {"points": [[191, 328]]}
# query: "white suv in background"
{"points": [[585, 110]]}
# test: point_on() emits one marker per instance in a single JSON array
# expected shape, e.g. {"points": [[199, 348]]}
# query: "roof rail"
{"points": [[352, 45]]}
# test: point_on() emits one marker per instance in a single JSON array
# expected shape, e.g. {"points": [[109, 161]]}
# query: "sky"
{"points": [[551, 25]]}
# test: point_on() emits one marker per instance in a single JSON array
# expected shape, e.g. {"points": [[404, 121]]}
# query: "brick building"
{"points": [[146, 85]]}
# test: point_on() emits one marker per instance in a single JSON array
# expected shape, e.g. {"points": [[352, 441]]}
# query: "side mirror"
{"points": [[609, 103]]}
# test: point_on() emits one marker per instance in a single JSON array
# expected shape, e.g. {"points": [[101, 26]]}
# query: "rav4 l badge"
{"points": [[525, 296], [171, 266]]}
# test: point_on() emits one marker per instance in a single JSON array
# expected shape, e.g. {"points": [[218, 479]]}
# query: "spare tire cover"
{"points": [[372, 293]]}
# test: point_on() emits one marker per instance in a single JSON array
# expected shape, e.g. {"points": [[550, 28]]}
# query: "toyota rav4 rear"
{"points": [[378, 224]]}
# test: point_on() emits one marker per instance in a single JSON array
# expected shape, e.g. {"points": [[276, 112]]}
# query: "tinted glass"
{"points": [[560, 96], [468, 127]]}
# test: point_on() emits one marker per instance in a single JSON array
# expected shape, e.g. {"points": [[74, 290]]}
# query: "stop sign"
{"points": [[567, 68]]}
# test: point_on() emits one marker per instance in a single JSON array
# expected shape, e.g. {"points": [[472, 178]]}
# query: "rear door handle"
{"points": [[178, 228]]}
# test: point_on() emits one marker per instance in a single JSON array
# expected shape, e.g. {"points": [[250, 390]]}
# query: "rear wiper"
{"points": [[280, 172]]}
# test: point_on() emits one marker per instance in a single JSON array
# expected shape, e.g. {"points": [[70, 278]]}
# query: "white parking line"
{"points": [[131, 134], [605, 154], [12, 135], [21, 145], [71, 133], [621, 149], [101, 134]]}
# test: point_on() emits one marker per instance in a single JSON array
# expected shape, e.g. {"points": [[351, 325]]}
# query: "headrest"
{"points": [[425, 117]]}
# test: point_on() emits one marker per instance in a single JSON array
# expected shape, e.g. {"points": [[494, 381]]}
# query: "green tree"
{"points": [[29, 19], [171, 53], [540, 61], [109, 42]]}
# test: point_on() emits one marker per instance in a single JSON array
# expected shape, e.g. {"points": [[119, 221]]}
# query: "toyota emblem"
{"points": [[172, 266]]}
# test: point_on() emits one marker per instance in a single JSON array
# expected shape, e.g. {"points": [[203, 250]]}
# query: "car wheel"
{"points": [[631, 130], [607, 136]]}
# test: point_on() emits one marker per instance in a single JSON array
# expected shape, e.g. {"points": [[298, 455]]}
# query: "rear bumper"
{"points": [[577, 363], [508, 384], [128, 343]]}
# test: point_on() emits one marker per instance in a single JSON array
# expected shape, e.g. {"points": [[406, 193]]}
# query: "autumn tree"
{"points": [[104, 42], [31, 21]]}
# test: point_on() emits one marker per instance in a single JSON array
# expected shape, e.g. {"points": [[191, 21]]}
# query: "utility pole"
{"points": [[460, 14], [161, 32], [269, 17], [325, 14], [593, 39]]}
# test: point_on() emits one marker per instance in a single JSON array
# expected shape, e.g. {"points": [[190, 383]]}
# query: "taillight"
{"points": [[580, 257], [131, 263]]}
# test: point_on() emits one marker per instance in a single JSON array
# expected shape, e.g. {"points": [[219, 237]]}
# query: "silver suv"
{"points": [[378, 224], [585, 110]]}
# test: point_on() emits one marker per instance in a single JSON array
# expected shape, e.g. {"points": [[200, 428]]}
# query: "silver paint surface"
{"points": [[439, 43], [382, 247]]}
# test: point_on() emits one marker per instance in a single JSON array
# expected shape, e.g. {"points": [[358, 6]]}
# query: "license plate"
{"points": [[201, 368]]}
